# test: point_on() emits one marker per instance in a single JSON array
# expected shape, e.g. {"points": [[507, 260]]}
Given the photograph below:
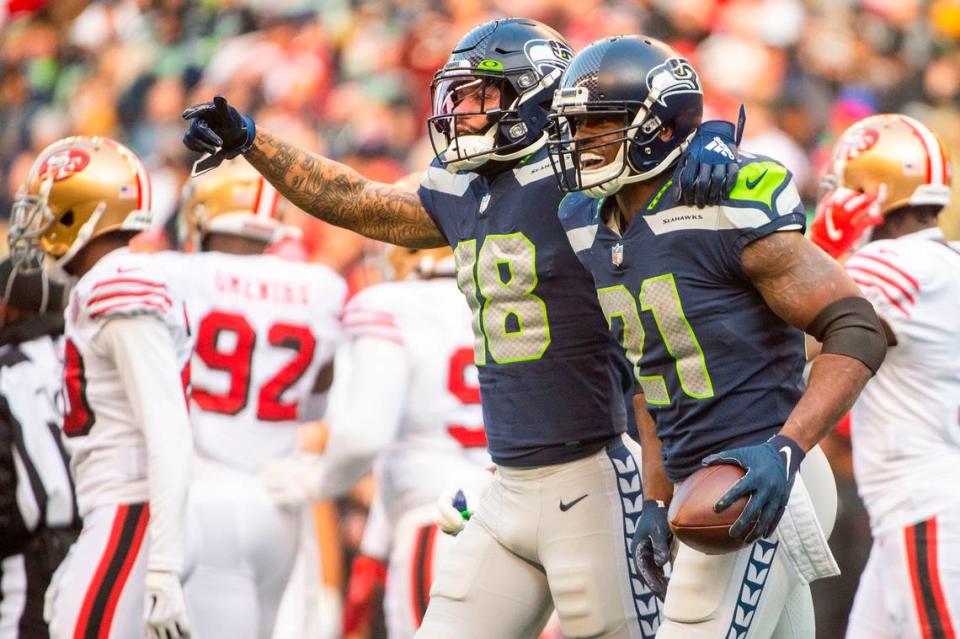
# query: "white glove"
{"points": [[164, 611], [293, 481], [452, 510]]}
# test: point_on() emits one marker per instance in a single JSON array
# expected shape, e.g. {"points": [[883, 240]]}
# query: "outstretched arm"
{"points": [[799, 282], [337, 194], [323, 188]]}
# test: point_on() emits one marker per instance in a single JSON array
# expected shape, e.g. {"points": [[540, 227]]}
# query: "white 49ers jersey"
{"points": [[906, 424], [105, 439], [264, 328], [422, 395]]}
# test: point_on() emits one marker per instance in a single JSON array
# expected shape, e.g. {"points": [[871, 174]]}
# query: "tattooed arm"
{"points": [[337, 194], [797, 280]]}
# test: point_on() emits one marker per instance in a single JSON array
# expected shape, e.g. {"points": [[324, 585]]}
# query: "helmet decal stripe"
{"points": [[145, 195], [935, 160], [266, 202], [944, 163], [258, 196]]}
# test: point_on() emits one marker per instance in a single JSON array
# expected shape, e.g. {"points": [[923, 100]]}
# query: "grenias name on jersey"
{"points": [[262, 290]]}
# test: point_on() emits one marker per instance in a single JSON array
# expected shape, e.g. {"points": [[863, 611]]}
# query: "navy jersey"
{"points": [[549, 383], [719, 369]]}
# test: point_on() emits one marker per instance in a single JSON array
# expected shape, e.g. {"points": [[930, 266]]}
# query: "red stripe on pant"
{"points": [[422, 573], [922, 555], [103, 593]]}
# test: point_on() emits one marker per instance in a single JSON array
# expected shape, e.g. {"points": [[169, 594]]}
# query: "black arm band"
{"points": [[851, 327]]}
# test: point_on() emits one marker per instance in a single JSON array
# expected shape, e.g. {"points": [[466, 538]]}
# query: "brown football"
{"points": [[691, 513]]}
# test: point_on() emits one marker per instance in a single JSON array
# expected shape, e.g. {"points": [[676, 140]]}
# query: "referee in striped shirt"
{"points": [[38, 513]]}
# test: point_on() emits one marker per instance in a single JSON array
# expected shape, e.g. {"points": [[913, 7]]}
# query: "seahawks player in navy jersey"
{"points": [[711, 306], [554, 527]]}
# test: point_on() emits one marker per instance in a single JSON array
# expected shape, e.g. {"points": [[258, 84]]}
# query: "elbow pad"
{"points": [[850, 327]]}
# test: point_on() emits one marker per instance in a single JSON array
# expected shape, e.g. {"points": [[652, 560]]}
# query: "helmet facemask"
{"points": [[575, 158], [478, 116], [30, 218]]}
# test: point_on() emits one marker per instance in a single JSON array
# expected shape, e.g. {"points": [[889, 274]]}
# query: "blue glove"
{"points": [[771, 468], [707, 170], [651, 546], [218, 129]]}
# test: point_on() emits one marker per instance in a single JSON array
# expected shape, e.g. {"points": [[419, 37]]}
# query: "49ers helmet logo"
{"points": [[856, 142], [60, 165]]}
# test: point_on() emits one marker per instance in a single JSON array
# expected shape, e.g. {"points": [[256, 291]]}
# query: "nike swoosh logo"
{"points": [[788, 453], [127, 269], [832, 231], [753, 183], [565, 507]]}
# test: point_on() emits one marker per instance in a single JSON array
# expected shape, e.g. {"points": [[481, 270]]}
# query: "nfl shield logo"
{"points": [[616, 254], [484, 203]]}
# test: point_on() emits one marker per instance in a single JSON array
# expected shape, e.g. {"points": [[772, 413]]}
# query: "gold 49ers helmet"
{"points": [[79, 188], [234, 200], [897, 151]]}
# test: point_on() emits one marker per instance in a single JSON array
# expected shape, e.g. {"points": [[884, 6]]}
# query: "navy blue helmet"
{"points": [[491, 100], [648, 96]]}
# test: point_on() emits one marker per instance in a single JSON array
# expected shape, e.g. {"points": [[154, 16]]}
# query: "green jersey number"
{"points": [[659, 296], [511, 320]]}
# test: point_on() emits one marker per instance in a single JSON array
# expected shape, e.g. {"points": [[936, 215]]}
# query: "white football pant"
{"points": [[545, 537], [241, 549], [99, 590], [753, 593], [910, 588]]}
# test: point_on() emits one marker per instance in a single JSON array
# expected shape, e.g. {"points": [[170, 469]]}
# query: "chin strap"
{"points": [[83, 235]]}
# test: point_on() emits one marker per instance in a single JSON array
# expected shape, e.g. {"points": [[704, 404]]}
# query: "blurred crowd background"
{"points": [[349, 78]]}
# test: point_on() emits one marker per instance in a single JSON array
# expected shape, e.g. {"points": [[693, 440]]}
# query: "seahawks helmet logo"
{"points": [[546, 55], [672, 77]]}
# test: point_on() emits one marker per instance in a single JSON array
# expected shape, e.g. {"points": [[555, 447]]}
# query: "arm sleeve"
{"points": [[365, 411], [145, 356]]}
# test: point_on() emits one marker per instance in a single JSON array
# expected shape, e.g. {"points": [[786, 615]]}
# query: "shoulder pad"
{"points": [[578, 207], [767, 184], [123, 292], [536, 167], [579, 215], [436, 178], [889, 271], [372, 313]]}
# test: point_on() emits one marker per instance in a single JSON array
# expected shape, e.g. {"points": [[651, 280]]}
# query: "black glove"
{"points": [[651, 546], [771, 468], [707, 170], [218, 129]]}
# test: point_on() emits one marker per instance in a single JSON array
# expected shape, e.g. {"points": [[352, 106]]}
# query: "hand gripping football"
{"points": [[692, 517]]}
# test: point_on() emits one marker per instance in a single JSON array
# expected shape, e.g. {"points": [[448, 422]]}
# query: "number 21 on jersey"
{"points": [[659, 296], [509, 319]]}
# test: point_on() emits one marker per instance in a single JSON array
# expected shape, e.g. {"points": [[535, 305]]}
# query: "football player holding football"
{"points": [[711, 306], [554, 526], [888, 179], [127, 366], [265, 334]]}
